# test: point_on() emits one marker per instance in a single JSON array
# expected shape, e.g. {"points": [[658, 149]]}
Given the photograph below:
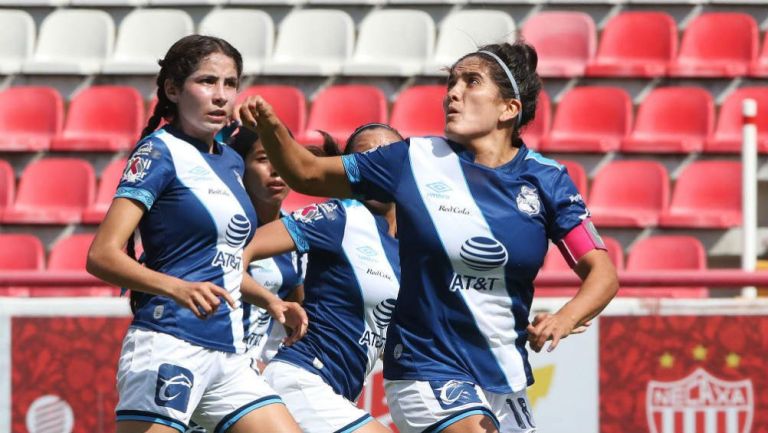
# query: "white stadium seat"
{"points": [[312, 42], [392, 42], [17, 31], [464, 31], [72, 41], [251, 31], [144, 37]]}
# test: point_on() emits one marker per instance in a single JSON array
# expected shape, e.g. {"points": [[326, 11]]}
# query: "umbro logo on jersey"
{"points": [[174, 386], [528, 201], [439, 190]]}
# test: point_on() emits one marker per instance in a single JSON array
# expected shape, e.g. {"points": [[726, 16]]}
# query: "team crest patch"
{"points": [[308, 214], [137, 168], [174, 387], [528, 201], [454, 393]]}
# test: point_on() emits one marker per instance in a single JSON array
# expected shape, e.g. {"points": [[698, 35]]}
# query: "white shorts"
{"points": [[431, 406], [312, 402], [164, 380]]}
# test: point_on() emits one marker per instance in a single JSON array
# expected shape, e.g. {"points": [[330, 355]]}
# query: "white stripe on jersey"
{"points": [[433, 161], [189, 164], [378, 281]]}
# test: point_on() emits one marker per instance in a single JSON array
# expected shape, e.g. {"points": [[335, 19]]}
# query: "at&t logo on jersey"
{"points": [[174, 386], [454, 393], [480, 254], [235, 236], [382, 315]]}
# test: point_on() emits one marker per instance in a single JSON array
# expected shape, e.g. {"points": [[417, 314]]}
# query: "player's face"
{"points": [[261, 180], [373, 138], [207, 97], [473, 106]]}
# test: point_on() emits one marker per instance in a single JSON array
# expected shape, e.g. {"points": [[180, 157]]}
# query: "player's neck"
{"points": [[492, 150], [266, 211]]}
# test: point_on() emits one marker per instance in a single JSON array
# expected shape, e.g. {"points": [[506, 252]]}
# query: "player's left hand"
{"points": [[292, 316], [551, 327]]}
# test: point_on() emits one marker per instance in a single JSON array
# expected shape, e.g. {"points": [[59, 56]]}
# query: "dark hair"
{"points": [[331, 148], [181, 61], [242, 142], [521, 59]]}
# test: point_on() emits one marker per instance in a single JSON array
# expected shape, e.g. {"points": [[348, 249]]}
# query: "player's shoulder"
{"points": [[541, 166]]}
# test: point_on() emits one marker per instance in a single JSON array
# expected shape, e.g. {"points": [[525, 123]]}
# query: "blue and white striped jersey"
{"points": [[472, 239], [198, 220], [353, 275]]}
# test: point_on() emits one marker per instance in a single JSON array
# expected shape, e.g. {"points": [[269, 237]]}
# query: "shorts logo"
{"points": [[174, 386], [483, 254], [454, 393], [528, 201]]}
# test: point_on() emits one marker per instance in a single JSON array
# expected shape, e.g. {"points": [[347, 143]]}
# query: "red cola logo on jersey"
{"points": [[700, 403]]}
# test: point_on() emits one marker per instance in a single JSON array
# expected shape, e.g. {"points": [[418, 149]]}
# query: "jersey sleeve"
{"points": [[148, 172], [565, 205], [317, 226], [375, 174]]}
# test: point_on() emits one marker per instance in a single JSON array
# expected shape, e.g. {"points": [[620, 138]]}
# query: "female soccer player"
{"points": [[183, 191], [351, 285], [475, 211], [281, 274]]}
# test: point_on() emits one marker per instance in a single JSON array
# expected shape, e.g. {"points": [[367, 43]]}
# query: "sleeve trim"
{"points": [[139, 194], [351, 168], [302, 246]]}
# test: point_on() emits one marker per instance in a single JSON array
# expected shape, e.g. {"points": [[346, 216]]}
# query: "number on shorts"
{"points": [[523, 409]]}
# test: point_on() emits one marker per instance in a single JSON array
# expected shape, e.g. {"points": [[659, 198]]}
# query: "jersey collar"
{"points": [[198, 144]]}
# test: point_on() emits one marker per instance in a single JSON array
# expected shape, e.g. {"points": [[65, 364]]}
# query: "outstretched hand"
{"points": [[552, 327], [256, 114]]}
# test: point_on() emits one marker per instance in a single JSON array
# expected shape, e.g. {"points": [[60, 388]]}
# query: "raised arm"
{"points": [[108, 261], [303, 171]]}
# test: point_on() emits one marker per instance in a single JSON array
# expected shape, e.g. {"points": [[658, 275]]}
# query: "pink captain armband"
{"points": [[579, 241]]}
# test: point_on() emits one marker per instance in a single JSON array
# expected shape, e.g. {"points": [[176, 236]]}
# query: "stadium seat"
{"points": [[707, 194], [672, 120], [554, 262], [288, 101], [379, 54], [251, 31], [464, 31], [418, 111], [564, 41], [52, 191], [312, 42], [102, 118], [760, 66], [144, 37], [17, 31], [7, 185], [339, 110], [20, 252], [717, 44], [109, 3], [110, 177], [184, 3], [590, 119], [538, 128], [727, 135], [60, 50], [629, 193], [578, 176], [67, 255], [636, 44], [297, 200], [29, 118], [666, 253]]}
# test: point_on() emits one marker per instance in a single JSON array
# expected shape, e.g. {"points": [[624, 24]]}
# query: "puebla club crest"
{"points": [[528, 201]]}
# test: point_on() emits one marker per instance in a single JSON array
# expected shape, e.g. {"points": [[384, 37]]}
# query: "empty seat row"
{"points": [[654, 253], [324, 42]]}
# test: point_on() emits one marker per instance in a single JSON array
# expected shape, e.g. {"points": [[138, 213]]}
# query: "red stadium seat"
{"points": [[590, 119], [672, 120], [760, 67], [7, 185], [538, 128], [110, 177], [658, 253], [102, 118], [297, 200], [29, 118], [554, 262], [636, 44], [20, 252], [564, 41], [629, 194], [288, 101], [707, 195], [419, 112], [578, 175], [717, 44], [338, 110], [727, 135], [52, 191], [70, 254]]}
